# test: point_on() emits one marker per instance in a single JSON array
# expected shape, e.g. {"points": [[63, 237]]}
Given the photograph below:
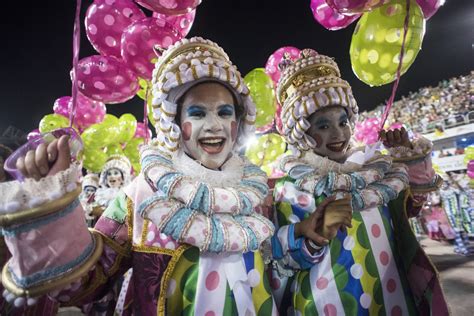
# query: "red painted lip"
{"points": [[336, 146], [212, 149]]}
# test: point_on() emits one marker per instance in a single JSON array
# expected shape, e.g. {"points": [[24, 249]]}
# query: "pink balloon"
{"points": [[278, 121], [470, 174], [330, 18], [88, 111], [33, 134], [170, 7], [354, 6], [395, 125], [182, 23], [138, 41], [470, 166], [106, 79], [271, 68], [105, 22], [141, 131], [429, 7]]}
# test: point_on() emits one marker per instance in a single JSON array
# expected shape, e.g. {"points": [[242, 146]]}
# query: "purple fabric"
{"points": [[150, 267]]}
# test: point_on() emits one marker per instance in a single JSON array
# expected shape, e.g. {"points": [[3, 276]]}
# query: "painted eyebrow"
{"points": [[321, 120], [195, 108], [226, 107], [344, 117]]}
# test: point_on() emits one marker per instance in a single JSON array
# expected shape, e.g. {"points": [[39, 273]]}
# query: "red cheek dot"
{"points": [[318, 139], [233, 130], [187, 128]]}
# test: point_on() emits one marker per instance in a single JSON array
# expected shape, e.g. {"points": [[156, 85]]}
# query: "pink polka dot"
{"points": [[92, 29], [265, 230], [224, 196], [384, 258], [233, 208], [303, 200], [330, 310], [110, 41], [127, 12], [217, 208], [234, 246], [167, 41], [275, 284], [391, 285], [191, 240], [212, 280], [375, 230], [396, 311], [132, 49], [99, 85], [322, 283], [210, 313], [109, 20]]}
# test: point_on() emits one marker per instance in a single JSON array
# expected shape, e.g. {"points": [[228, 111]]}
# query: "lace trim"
{"points": [[31, 193]]}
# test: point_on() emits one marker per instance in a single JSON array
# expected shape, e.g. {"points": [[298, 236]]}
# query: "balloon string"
{"points": [[145, 115], [400, 62], [76, 42]]}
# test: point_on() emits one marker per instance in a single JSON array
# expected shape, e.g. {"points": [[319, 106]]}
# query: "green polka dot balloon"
{"points": [[377, 41], [261, 89], [265, 151], [52, 122]]}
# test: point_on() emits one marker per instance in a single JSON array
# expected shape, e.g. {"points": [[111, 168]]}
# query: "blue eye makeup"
{"points": [[226, 110], [196, 111], [321, 123]]}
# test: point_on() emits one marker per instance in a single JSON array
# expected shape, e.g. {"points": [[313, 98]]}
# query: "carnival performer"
{"points": [[357, 199], [115, 175], [90, 184], [451, 201], [434, 218], [186, 224]]}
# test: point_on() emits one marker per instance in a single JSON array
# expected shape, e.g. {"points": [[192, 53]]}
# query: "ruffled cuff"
{"points": [[421, 174], [31, 193], [49, 241]]}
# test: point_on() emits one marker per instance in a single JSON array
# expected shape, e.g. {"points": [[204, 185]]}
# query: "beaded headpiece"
{"points": [[90, 180], [187, 61], [119, 162], [306, 85]]}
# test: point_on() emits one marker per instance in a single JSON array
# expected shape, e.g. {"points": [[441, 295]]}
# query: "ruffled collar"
{"points": [[230, 174]]}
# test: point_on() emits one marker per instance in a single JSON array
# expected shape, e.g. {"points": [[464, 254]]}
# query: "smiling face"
{"points": [[208, 124], [114, 178], [331, 130]]}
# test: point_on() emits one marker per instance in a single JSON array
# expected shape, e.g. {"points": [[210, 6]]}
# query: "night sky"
{"points": [[36, 52]]}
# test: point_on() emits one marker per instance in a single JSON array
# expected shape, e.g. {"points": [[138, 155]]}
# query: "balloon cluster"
{"points": [[378, 37], [128, 43]]}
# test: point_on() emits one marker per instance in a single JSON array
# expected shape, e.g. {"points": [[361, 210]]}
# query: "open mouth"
{"points": [[336, 147], [212, 145]]}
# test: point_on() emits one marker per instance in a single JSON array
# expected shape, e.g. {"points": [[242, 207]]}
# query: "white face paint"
{"points": [[114, 178], [332, 132], [208, 124], [88, 191]]}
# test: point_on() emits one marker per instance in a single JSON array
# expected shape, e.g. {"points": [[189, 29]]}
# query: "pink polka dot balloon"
{"points": [[141, 131], [170, 7], [182, 23], [105, 22], [367, 131], [106, 79], [138, 41], [330, 18], [429, 7], [271, 68], [355, 6], [88, 111]]}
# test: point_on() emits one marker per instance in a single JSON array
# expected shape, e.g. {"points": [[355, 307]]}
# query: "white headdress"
{"points": [[306, 85], [119, 162], [186, 62]]}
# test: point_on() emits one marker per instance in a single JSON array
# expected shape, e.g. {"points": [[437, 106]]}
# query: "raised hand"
{"points": [[337, 215], [46, 160], [395, 138]]}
